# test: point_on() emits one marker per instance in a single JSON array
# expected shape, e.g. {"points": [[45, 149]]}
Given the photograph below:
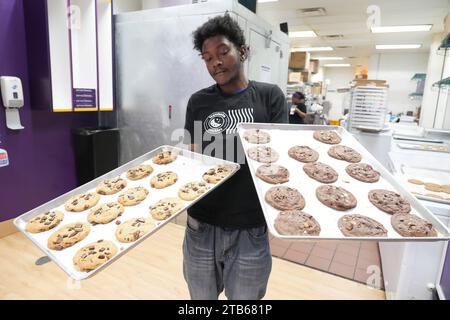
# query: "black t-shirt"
{"points": [[295, 118], [211, 120]]}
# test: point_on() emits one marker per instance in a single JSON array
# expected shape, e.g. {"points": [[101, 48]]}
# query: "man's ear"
{"points": [[243, 52]]}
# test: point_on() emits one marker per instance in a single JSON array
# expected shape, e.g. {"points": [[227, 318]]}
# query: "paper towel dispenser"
{"points": [[12, 97]]}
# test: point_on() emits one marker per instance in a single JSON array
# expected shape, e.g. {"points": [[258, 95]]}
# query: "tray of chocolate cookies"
{"points": [[88, 228], [318, 182]]}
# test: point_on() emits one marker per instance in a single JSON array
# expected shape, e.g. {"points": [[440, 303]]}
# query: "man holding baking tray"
{"points": [[226, 245]]}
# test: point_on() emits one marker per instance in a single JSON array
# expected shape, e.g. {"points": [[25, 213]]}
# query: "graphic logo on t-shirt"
{"points": [[218, 122]]}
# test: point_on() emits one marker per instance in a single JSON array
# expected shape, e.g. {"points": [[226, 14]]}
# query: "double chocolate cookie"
{"points": [[363, 172], [389, 201], [356, 225], [272, 173], [327, 136], [345, 153], [285, 198], [296, 223], [410, 225], [321, 172], [336, 197], [303, 154]]}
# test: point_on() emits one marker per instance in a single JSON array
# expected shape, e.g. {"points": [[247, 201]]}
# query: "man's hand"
{"points": [[300, 113], [192, 147]]}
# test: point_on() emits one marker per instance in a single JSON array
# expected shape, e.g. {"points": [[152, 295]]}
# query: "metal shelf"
{"points": [[444, 83]]}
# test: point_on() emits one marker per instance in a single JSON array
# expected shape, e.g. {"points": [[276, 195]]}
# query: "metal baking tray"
{"points": [[189, 166], [284, 136]]}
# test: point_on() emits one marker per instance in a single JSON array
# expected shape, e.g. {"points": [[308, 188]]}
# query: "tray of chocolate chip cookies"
{"points": [[93, 225], [318, 182]]}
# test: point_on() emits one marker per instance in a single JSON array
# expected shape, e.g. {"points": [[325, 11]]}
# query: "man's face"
{"points": [[222, 59]]}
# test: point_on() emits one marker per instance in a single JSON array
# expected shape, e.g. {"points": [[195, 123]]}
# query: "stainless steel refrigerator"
{"points": [[157, 68]]}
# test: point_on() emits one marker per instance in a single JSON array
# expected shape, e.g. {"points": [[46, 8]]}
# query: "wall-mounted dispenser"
{"points": [[12, 96]]}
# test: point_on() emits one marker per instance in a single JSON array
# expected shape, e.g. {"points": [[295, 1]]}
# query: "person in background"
{"points": [[298, 103], [226, 244]]}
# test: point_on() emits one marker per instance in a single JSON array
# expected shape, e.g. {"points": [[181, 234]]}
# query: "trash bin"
{"points": [[96, 152]]}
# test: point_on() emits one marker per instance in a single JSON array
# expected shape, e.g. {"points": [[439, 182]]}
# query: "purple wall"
{"points": [[445, 277], [41, 156]]}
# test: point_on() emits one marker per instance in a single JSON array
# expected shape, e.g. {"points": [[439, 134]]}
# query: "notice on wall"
{"points": [[265, 74], [84, 99]]}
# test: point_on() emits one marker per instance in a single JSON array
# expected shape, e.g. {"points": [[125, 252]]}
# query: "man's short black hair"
{"points": [[299, 95], [220, 25]]}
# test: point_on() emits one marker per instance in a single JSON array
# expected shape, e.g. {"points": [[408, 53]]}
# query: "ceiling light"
{"points": [[312, 12], [302, 34], [397, 46], [414, 28], [337, 65], [313, 49], [328, 58]]}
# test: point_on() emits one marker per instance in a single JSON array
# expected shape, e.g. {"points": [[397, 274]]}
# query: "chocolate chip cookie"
{"points": [[105, 213], [216, 174], [356, 225], [133, 229], [410, 225], [303, 154], [363, 172], [111, 186], [296, 223], [389, 201], [321, 172], [82, 202], [163, 179], [285, 198], [44, 221], [68, 235], [139, 172], [345, 153], [336, 197], [165, 208], [94, 255], [133, 196], [165, 157], [192, 190], [263, 154], [256, 136], [272, 173], [327, 136]]}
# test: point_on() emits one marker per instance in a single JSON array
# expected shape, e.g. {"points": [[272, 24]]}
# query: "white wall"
{"points": [[338, 78], [398, 69], [120, 6]]}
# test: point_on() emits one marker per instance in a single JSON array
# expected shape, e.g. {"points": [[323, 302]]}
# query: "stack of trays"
{"points": [[368, 108], [318, 182]]}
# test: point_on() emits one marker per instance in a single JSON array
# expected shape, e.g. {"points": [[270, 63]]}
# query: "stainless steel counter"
{"points": [[409, 269]]}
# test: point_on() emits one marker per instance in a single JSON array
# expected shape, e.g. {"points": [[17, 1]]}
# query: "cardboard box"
{"points": [[314, 66], [295, 77], [366, 82], [316, 89], [299, 60]]}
